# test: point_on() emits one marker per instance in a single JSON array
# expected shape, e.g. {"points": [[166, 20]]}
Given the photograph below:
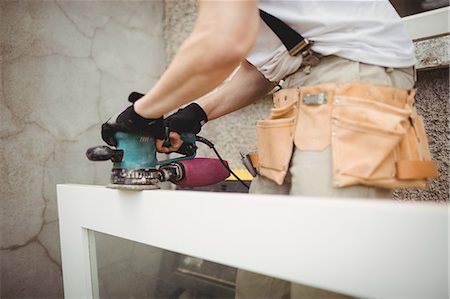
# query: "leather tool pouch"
{"points": [[275, 139], [376, 136]]}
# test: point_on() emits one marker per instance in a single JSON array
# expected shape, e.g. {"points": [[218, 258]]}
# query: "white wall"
{"points": [[66, 66]]}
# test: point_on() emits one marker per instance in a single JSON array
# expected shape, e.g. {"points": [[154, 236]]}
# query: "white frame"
{"points": [[428, 24], [391, 249]]}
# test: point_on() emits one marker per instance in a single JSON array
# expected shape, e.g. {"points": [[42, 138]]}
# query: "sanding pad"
{"points": [[134, 179], [132, 187]]}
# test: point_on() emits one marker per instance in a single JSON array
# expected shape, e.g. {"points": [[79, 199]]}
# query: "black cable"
{"points": [[211, 145]]}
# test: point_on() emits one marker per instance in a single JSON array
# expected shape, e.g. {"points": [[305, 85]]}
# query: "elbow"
{"points": [[241, 44], [229, 56], [226, 31], [240, 49], [228, 53]]}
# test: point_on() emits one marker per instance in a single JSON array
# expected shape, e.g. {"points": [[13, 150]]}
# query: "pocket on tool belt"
{"points": [[275, 145], [365, 139], [415, 161], [377, 144], [287, 111]]}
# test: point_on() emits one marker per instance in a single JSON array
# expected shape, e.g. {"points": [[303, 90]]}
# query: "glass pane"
{"points": [[410, 7], [125, 269]]}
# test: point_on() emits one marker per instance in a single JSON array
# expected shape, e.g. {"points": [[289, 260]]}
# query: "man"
{"points": [[354, 41]]}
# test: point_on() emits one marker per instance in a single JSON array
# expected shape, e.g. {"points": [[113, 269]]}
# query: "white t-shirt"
{"points": [[368, 31]]}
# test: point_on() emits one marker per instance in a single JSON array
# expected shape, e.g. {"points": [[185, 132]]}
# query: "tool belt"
{"points": [[376, 136]]}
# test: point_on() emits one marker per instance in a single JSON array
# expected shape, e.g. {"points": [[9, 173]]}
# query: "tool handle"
{"points": [[104, 153], [188, 148]]}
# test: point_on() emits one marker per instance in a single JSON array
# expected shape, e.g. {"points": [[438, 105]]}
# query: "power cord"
{"points": [[211, 145]]}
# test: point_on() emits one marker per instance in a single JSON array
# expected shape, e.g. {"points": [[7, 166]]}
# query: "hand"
{"points": [[186, 120], [131, 122], [189, 119], [175, 143]]}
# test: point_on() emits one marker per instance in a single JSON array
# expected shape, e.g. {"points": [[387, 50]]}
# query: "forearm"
{"points": [[183, 82], [247, 86], [213, 50]]}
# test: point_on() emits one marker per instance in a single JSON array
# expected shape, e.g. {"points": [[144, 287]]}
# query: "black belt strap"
{"points": [[292, 40]]}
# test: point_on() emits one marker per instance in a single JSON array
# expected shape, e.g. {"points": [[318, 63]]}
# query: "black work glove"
{"points": [[189, 119], [131, 122]]}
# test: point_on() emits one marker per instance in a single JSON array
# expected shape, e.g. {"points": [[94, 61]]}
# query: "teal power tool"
{"points": [[136, 166]]}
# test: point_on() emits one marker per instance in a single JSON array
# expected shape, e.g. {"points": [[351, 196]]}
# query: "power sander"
{"points": [[136, 166]]}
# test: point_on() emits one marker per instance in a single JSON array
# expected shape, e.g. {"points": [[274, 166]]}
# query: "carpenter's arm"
{"points": [[247, 86], [222, 37]]}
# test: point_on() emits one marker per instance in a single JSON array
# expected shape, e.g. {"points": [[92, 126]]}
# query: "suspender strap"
{"points": [[292, 40]]}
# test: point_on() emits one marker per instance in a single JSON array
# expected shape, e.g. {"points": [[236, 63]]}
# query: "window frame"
{"points": [[428, 24]]}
